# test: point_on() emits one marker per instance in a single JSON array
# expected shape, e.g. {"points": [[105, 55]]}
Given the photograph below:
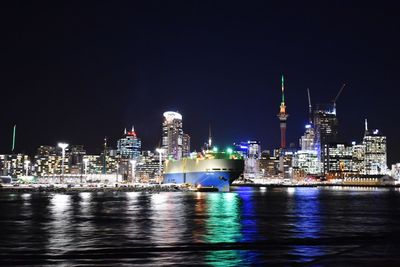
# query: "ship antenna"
{"points": [[209, 136]]}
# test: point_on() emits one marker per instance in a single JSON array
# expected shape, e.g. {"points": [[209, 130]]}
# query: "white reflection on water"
{"points": [[168, 218], [26, 196], [60, 226], [291, 190]]}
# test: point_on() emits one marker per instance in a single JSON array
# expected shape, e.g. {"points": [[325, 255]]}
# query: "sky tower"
{"points": [[282, 115]]}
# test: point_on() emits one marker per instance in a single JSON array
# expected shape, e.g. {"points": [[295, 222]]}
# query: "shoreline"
{"points": [[148, 189], [316, 185], [158, 188]]}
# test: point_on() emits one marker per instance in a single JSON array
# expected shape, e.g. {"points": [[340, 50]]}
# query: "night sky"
{"points": [[80, 71]]}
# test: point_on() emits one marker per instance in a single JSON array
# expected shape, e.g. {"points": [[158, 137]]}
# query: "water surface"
{"points": [[247, 226]]}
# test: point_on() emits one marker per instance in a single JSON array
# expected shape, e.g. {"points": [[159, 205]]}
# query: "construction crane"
{"points": [[337, 96], [309, 106]]}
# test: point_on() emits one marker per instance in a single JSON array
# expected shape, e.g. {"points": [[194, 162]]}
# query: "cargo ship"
{"points": [[208, 169]]}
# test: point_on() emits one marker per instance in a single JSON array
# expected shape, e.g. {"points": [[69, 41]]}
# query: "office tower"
{"points": [[375, 152], [308, 139], [186, 145], [251, 152], [338, 158], [172, 135], [129, 146], [326, 128], [13, 164], [306, 159]]}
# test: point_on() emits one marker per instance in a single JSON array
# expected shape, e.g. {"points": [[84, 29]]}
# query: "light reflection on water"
{"points": [[307, 220], [223, 226], [172, 225], [60, 225]]}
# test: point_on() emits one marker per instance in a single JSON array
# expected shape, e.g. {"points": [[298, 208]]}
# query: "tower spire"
{"points": [[366, 125], [125, 131], [283, 90], [133, 129]]}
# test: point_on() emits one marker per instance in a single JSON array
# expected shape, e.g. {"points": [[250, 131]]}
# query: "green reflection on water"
{"points": [[223, 226]]}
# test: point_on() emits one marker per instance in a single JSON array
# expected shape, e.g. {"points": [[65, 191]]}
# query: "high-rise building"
{"points": [[358, 158], [251, 152], [186, 145], [326, 128], [76, 154], [129, 146], [306, 159], [338, 158], [148, 167], [282, 116], [269, 164], [307, 141], [375, 152], [172, 136], [14, 164]]}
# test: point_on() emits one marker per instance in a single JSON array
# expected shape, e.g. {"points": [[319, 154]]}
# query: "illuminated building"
{"points": [[306, 159], [338, 158], [395, 172], [358, 165], [326, 129], [49, 165], [172, 135], [186, 145], [251, 152], [148, 166], [129, 146], [13, 164], [75, 155], [95, 164], [375, 152], [269, 164], [308, 139], [282, 115]]}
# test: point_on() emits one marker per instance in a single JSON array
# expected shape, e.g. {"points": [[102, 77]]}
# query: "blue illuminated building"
{"points": [[129, 146]]}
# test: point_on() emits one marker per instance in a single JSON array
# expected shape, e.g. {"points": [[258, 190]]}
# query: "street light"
{"points": [[26, 163], [160, 151], [63, 146], [133, 163]]}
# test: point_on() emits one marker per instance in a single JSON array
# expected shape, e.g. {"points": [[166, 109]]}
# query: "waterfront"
{"points": [[246, 226]]}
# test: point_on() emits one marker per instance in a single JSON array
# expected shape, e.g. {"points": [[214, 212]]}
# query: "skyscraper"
{"points": [[306, 159], [129, 146], [186, 145], [375, 152], [282, 115], [326, 128], [172, 135]]}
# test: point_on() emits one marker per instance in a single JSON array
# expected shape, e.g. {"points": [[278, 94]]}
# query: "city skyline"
{"points": [[82, 79]]}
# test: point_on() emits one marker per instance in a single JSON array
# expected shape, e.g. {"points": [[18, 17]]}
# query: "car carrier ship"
{"points": [[208, 169]]}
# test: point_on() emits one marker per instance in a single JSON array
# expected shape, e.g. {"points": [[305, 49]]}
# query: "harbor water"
{"points": [[247, 226]]}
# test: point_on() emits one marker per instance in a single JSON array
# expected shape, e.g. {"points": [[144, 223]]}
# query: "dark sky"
{"points": [[81, 71]]}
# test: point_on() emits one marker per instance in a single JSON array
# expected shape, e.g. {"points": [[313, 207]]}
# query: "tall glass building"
{"points": [[129, 146], [172, 135], [375, 153], [326, 129]]}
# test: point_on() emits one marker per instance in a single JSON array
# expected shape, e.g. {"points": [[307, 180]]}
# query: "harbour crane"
{"points": [[309, 106]]}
